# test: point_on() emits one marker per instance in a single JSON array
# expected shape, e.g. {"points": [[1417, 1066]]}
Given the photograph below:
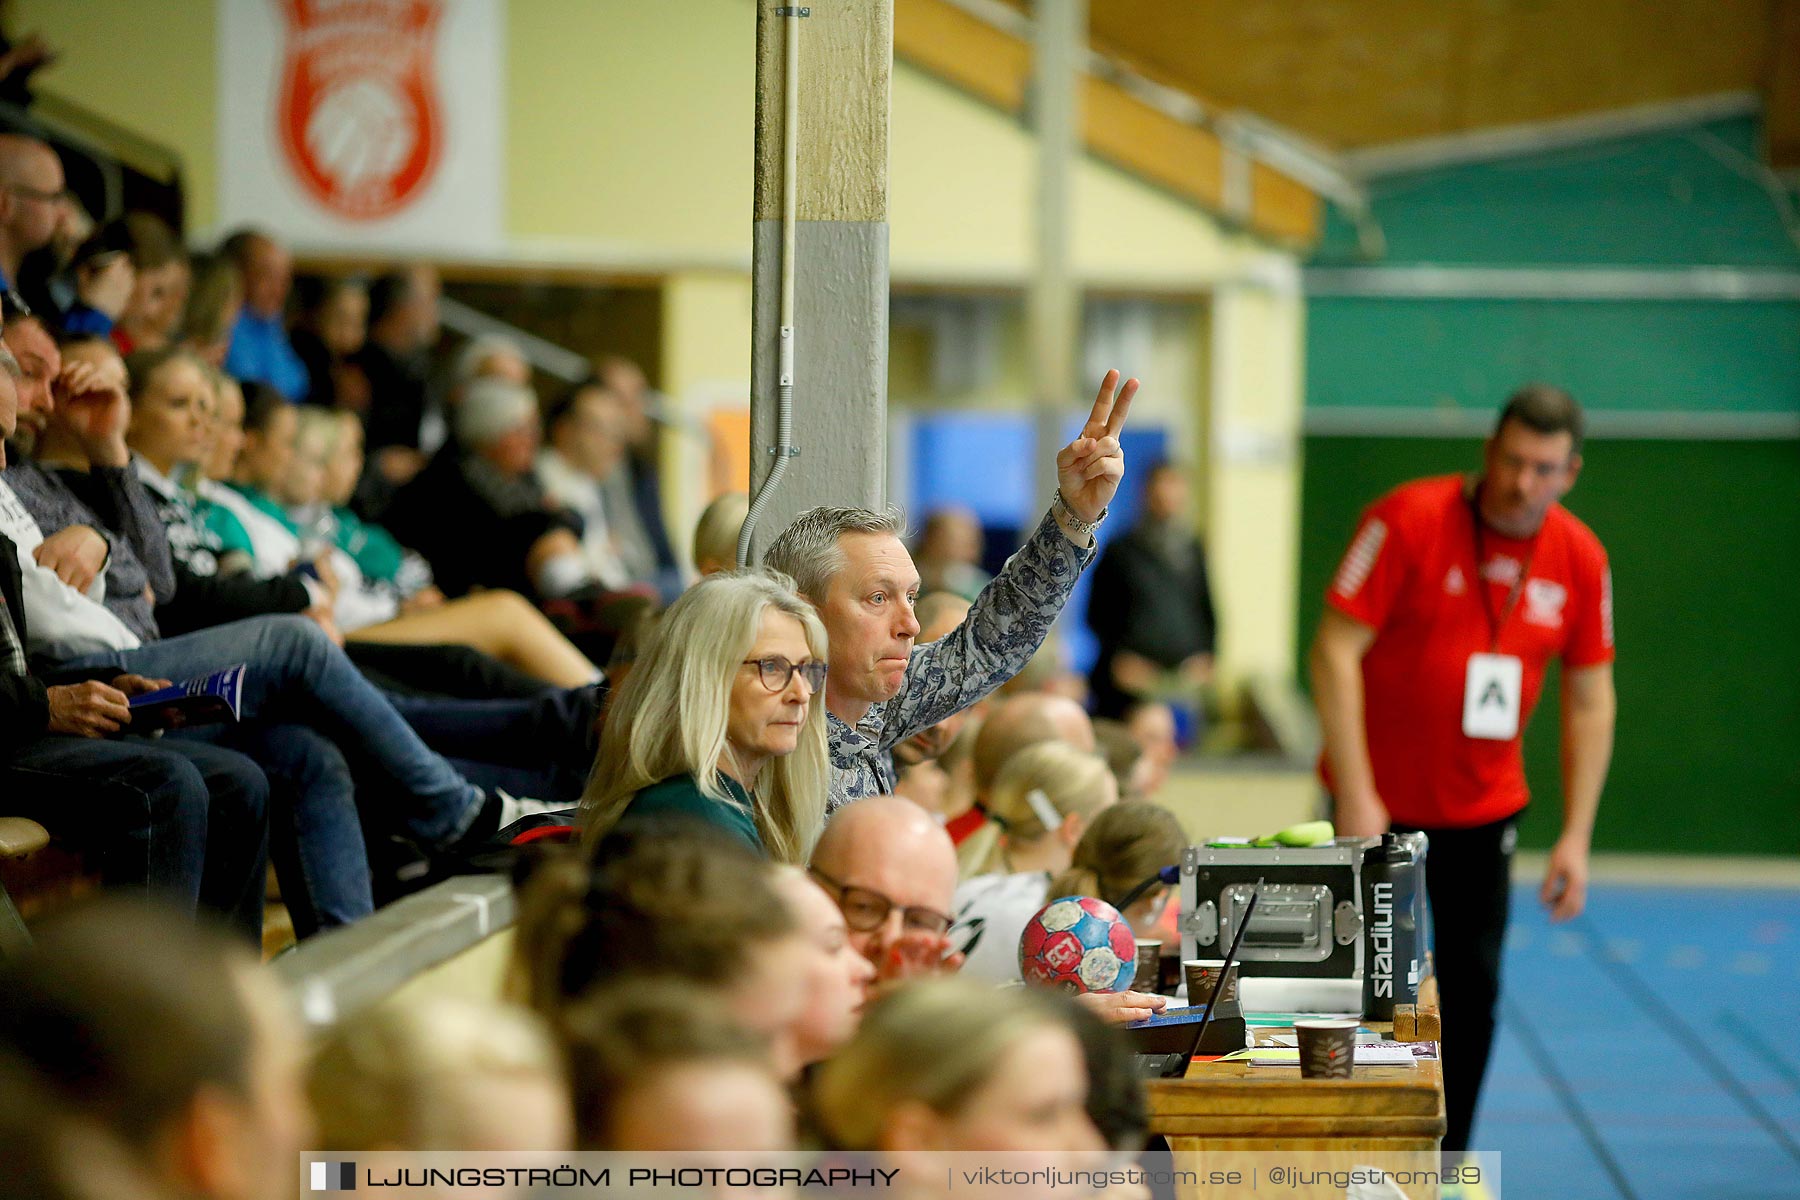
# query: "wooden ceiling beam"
{"points": [[1781, 89], [1183, 158]]}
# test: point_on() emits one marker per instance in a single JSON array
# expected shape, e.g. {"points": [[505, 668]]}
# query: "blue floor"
{"points": [[1651, 1049]]}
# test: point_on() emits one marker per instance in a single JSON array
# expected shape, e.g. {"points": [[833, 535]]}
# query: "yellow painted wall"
{"points": [[629, 140], [149, 65], [629, 145]]}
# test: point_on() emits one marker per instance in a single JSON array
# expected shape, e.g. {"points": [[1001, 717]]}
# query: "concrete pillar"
{"points": [[1053, 301], [840, 256]]}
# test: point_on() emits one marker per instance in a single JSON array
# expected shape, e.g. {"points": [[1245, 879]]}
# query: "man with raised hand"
{"points": [[852, 565]]}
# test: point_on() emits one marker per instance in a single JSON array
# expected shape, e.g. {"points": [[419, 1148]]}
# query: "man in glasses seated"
{"points": [[892, 870]]}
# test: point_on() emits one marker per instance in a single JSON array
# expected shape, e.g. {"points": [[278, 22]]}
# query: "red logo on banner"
{"points": [[358, 115]]}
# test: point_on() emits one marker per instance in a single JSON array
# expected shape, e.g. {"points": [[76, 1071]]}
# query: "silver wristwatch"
{"points": [[1084, 528]]}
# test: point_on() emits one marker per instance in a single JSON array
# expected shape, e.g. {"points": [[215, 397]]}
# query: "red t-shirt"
{"points": [[1410, 574]]}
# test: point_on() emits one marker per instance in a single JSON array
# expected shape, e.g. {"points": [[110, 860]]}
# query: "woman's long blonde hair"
{"points": [[1065, 780], [935, 1042], [671, 715]]}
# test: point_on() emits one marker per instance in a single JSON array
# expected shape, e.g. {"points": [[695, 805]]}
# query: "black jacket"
{"points": [[1143, 602]]}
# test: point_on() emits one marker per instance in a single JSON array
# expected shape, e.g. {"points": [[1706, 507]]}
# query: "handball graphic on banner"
{"points": [[363, 123]]}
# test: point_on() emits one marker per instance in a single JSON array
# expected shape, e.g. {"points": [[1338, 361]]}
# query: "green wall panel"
{"points": [[1705, 546], [1639, 356], [1664, 199]]}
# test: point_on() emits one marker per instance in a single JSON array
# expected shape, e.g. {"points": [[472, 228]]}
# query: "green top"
{"points": [[680, 796], [222, 523], [265, 503], [374, 548]]}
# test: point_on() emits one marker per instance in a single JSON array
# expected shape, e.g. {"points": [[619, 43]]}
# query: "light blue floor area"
{"points": [[1651, 1049]]}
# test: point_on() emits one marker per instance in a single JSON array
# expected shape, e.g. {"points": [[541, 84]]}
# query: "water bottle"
{"points": [[1393, 896]]}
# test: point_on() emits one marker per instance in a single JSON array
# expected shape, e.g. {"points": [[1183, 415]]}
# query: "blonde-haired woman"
{"points": [[441, 1073], [1041, 802], [1040, 806], [953, 1064], [723, 719]]}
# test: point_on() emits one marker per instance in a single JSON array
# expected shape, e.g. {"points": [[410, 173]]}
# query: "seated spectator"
{"points": [[260, 347], [670, 900], [722, 720], [31, 187], [1038, 808], [214, 300], [1011, 726], [955, 1065], [852, 566], [171, 1039], [1132, 769], [892, 870], [333, 325], [183, 819], [716, 533], [837, 978], [586, 447], [944, 786], [1122, 847], [440, 1074], [104, 279], [405, 426], [297, 680], [478, 514], [388, 608], [85, 427], [1152, 724], [949, 553], [634, 494], [656, 1069], [142, 250]]}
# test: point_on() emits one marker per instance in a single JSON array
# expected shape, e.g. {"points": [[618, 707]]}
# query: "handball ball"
{"points": [[1079, 944]]}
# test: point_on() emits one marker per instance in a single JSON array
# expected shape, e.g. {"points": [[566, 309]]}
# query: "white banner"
{"points": [[363, 124]]}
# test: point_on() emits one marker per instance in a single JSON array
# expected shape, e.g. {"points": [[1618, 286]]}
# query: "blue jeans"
{"points": [[298, 677], [541, 747], [185, 820], [315, 833]]}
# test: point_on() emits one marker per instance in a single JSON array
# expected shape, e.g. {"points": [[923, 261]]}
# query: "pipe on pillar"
{"points": [[819, 260], [1053, 301], [784, 447]]}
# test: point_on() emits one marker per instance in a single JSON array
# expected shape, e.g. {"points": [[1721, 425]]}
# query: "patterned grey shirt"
{"points": [[1008, 623]]}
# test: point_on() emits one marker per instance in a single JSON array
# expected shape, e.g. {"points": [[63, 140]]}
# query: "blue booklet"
{"points": [[209, 700]]}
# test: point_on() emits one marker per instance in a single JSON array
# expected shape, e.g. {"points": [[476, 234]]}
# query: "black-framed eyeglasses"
{"points": [[775, 671], [866, 910], [13, 306]]}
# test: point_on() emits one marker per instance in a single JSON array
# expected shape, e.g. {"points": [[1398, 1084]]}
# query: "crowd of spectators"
{"points": [[756, 933]]}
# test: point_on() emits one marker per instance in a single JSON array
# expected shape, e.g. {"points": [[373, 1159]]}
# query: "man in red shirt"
{"points": [[1454, 596]]}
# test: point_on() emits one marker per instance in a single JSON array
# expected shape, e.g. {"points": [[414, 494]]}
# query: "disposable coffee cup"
{"points": [[1327, 1048], [1149, 966], [1202, 973]]}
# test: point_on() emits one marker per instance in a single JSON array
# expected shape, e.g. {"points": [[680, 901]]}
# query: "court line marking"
{"points": [[1545, 1062], [1686, 1036]]}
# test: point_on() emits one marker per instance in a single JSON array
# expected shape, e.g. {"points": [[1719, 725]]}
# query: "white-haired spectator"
{"points": [[478, 513]]}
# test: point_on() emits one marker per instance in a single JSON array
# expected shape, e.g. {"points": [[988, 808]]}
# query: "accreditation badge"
{"points": [[1492, 691]]}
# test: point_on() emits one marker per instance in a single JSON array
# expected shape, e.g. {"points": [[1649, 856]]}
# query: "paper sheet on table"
{"points": [[1369, 1054]]}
